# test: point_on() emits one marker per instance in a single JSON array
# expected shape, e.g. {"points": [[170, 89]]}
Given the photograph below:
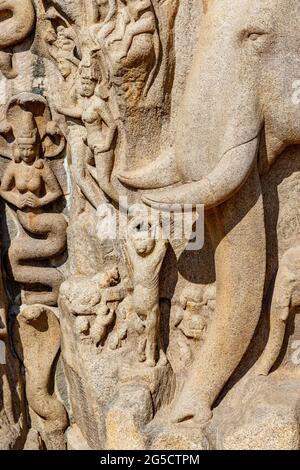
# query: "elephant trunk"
{"points": [[17, 18], [17, 22]]}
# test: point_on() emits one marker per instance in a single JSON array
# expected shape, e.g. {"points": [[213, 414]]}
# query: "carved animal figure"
{"points": [[17, 22], [197, 305], [105, 317], [146, 255], [286, 296], [83, 294], [98, 295], [238, 94]]}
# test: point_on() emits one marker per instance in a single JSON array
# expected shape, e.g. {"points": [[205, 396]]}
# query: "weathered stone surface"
{"points": [[129, 131]]}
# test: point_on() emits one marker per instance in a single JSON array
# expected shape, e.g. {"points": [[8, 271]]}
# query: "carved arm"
{"points": [[53, 189], [75, 112], [7, 187]]}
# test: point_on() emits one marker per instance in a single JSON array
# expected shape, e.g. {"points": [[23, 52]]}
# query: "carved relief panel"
{"points": [[119, 120]]}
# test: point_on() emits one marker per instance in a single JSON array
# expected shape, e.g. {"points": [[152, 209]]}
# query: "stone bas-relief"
{"points": [[29, 185], [116, 333]]}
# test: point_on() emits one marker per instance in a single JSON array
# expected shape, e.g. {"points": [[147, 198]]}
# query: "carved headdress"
{"points": [[28, 120]]}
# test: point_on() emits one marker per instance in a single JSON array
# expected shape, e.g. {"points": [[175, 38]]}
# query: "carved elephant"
{"points": [[286, 297], [17, 19], [236, 116]]}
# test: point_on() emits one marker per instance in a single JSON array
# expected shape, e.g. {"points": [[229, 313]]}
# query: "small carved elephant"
{"points": [[286, 296]]}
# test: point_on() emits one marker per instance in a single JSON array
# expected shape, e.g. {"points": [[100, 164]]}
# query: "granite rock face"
{"points": [[150, 224]]}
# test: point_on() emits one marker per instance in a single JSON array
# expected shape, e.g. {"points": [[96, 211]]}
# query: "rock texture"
{"points": [[150, 183]]}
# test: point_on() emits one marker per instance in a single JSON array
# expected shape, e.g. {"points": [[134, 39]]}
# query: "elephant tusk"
{"points": [[160, 173], [227, 177]]}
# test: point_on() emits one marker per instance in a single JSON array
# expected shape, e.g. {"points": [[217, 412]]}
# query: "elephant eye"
{"points": [[254, 36]]}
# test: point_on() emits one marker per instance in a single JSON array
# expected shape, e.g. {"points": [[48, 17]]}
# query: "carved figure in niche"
{"points": [[17, 19], [37, 341], [286, 297], [100, 125], [30, 186], [222, 171], [146, 249]]}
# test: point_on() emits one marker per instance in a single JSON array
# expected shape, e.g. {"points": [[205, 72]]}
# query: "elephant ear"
{"points": [[53, 141]]}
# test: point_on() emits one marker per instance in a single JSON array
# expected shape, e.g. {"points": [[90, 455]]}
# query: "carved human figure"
{"points": [[99, 123], [82, 177], [103, 14], [62, 48], [146, 250], [192, 315], [134, 46], [286, 297], [30, 186], [141, 21], [37, 340]]}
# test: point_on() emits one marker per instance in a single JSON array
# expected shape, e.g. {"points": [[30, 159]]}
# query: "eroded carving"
{"points": [[17, 19], [13, 425], [192, 317], [37, 337], [96, 297], [127, 33]]}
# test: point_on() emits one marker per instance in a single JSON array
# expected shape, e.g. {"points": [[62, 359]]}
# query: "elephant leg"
{"points": [[238, 233]]}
